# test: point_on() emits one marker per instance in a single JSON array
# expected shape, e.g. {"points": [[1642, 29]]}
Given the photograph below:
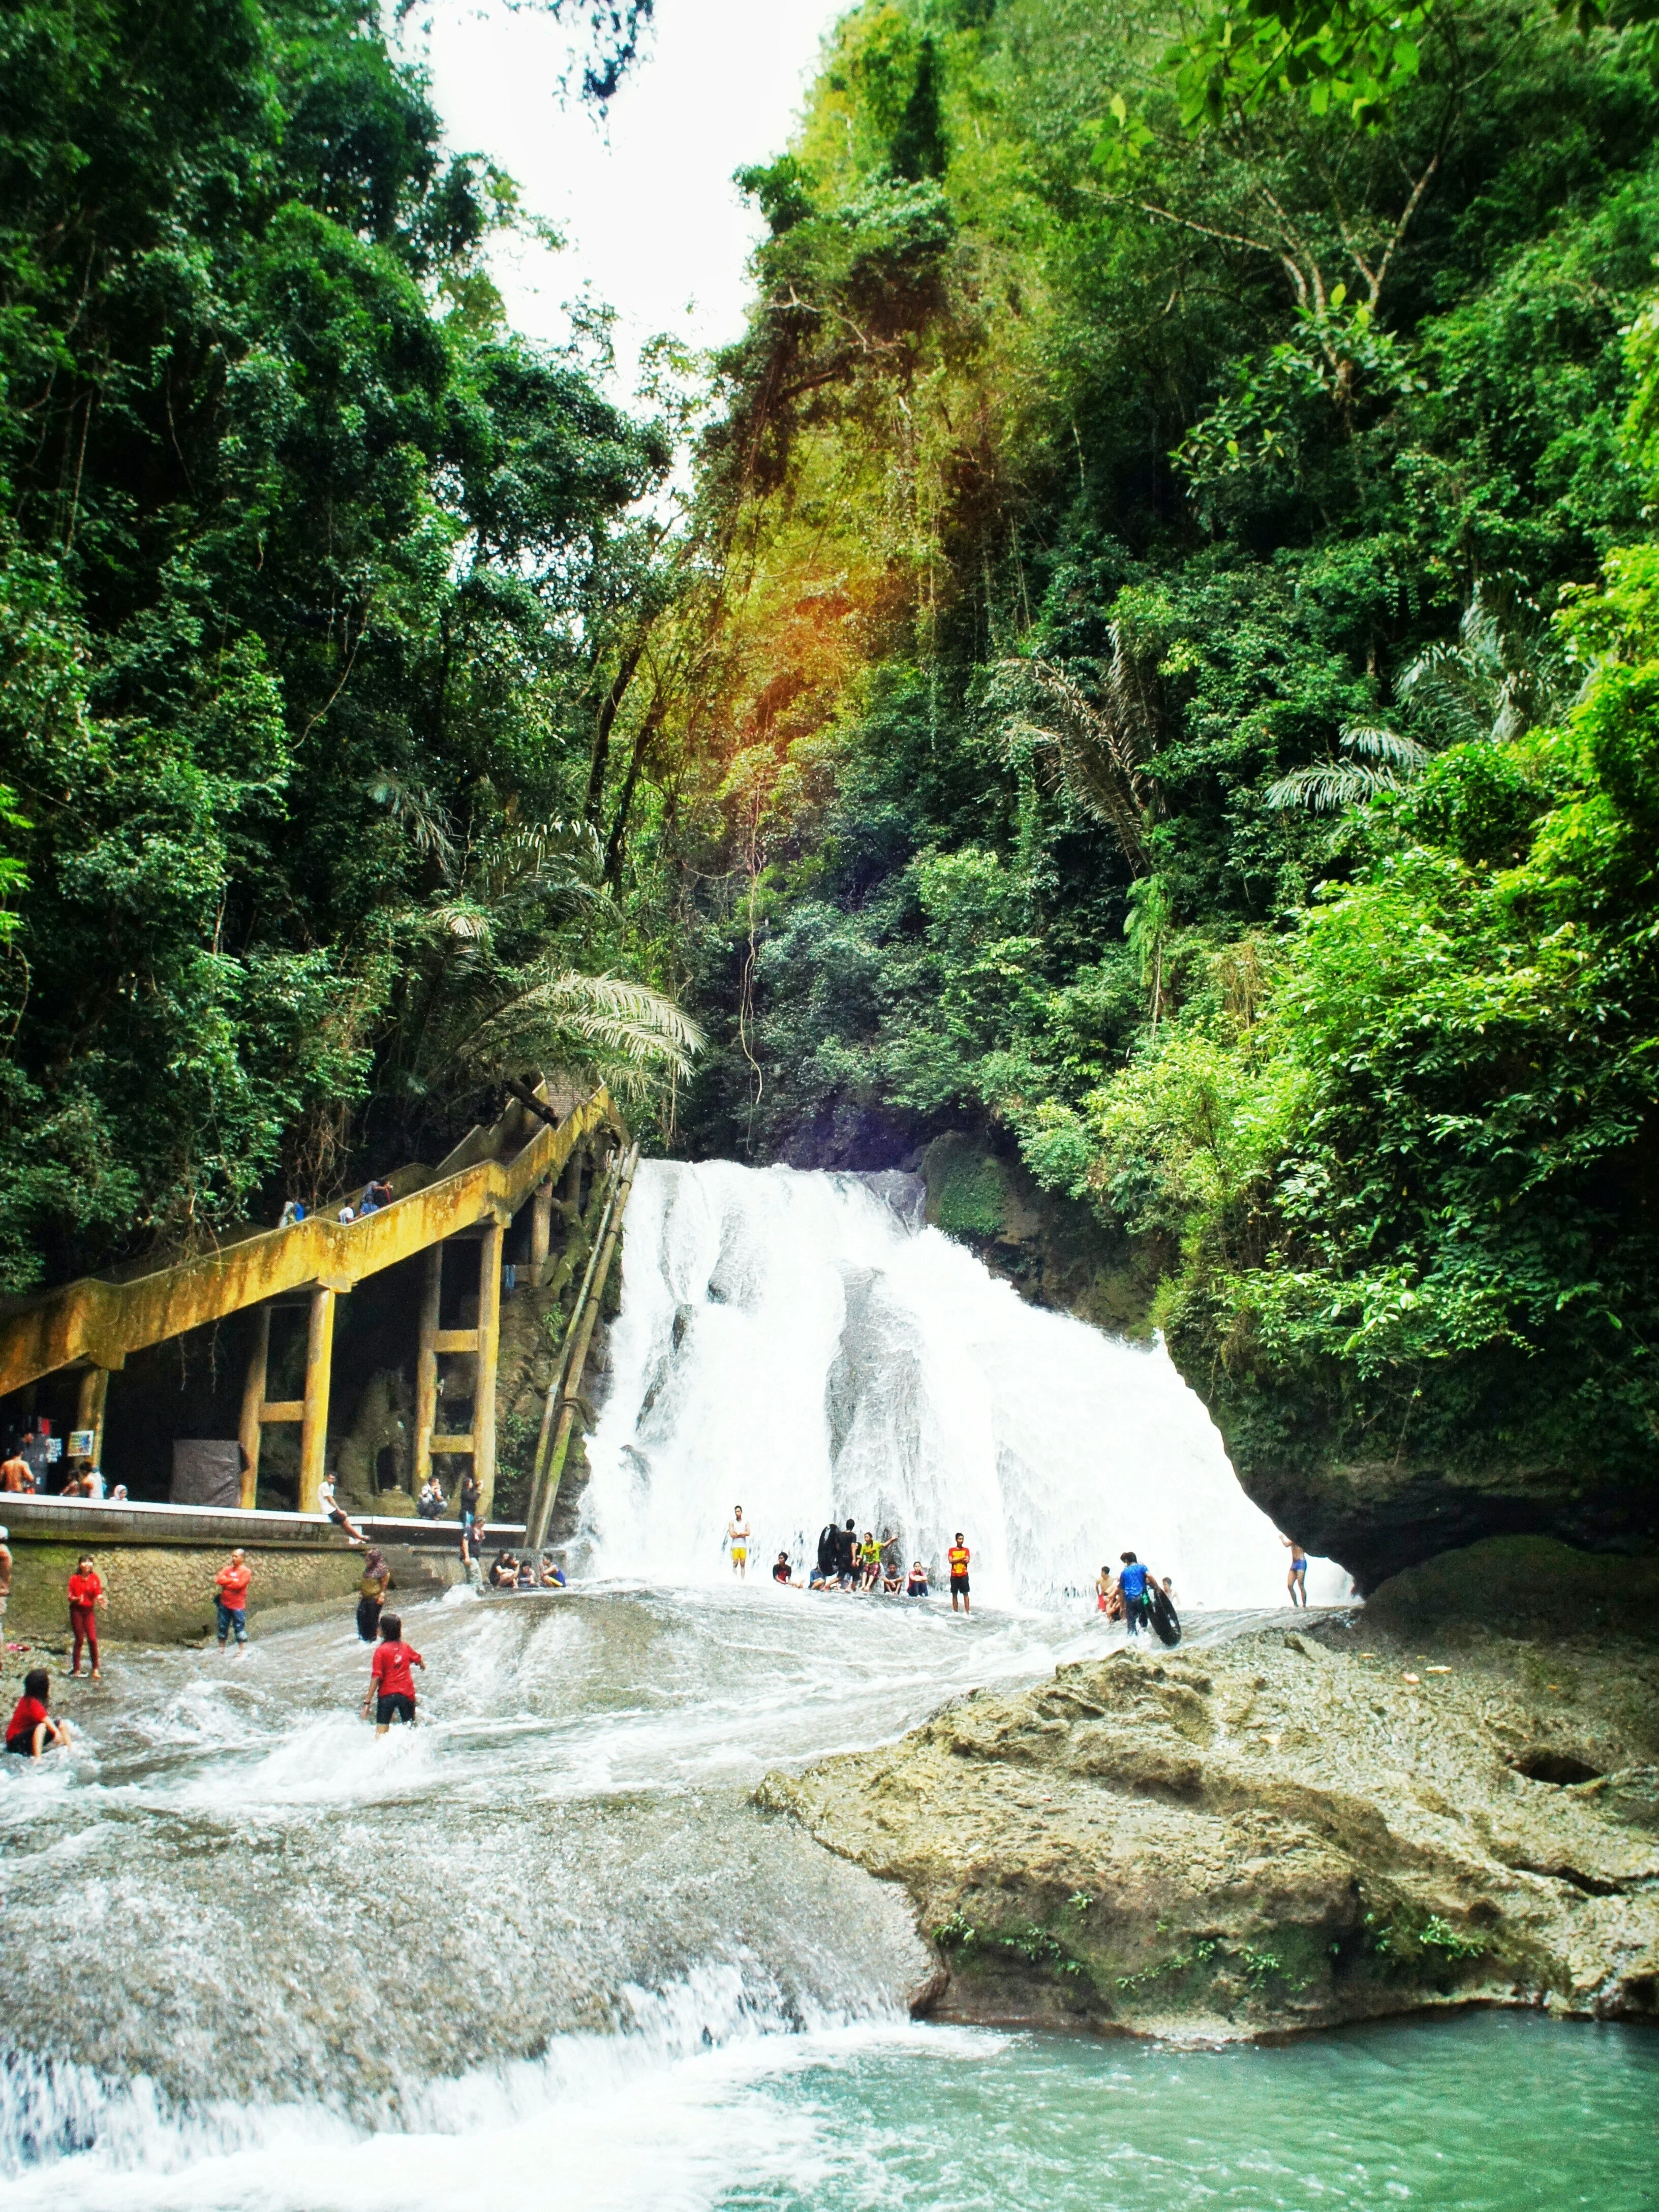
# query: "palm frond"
{"points": [[464, 918], [1099, 752], [1375, 741], [547, 1012], [413, 807], [1324, 785]]}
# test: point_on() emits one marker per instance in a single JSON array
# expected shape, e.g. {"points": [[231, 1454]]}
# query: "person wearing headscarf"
{"points": [[371, 1594]]}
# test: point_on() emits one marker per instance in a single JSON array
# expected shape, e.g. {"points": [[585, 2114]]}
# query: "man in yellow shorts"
{"points": [[738, 1536]]}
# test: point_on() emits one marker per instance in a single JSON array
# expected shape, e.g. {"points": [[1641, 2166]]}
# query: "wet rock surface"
{"points": [[1321, 1822]]}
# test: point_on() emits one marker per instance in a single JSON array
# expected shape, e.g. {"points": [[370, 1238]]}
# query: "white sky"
{"points": [[651, 221]]}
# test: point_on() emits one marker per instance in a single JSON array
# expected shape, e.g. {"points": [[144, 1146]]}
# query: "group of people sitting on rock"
{"points": [[508, 1572], [846, 1562]]}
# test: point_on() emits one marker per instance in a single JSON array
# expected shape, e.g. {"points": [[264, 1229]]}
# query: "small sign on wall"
{"points": [[82, 1443]]}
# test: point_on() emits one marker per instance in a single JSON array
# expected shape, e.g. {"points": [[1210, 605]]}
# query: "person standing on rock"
{"points": [[390, 1683], [1296, 1581], [737, 1535], [958, 1556], [231, 1584], [846, 1547], [371, 1594], [85, 1594], [1132, 1589]]}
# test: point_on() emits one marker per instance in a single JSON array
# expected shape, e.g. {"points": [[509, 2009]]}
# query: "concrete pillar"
{"points": [[253, 1399], [490, 1341], [90, 1407], [313, 1434], [541, 1232], [426, 1367]]}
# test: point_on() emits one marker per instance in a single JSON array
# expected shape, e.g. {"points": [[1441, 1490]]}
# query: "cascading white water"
{"points": [[803, 1346]]}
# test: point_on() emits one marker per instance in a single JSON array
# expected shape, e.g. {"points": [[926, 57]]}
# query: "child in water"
{"points": [[390, 1684], [31, 1728]]}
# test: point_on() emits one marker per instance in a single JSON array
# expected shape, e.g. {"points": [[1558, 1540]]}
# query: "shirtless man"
{"points": [[1296, 1581], [737, 1535]]}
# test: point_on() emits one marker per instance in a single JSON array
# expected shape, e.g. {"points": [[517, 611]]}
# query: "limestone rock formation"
{"points": [[1309, 1825]]}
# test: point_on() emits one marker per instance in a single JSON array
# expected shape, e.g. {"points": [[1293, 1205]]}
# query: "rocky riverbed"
{"points": [[1448, 1797]]}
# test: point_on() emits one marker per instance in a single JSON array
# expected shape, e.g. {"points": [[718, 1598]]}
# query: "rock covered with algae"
{"points": [[1303, 1826]]}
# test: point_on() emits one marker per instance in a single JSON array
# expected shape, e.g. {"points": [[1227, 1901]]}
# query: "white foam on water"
{"points": [[671, 2114], [797, 1344]]}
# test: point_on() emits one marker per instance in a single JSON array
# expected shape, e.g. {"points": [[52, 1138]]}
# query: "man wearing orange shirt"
{"points": [[958, 1556], [231, 1584]]}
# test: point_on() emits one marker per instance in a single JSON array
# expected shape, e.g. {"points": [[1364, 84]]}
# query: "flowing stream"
{"points": [[543, 1950]]}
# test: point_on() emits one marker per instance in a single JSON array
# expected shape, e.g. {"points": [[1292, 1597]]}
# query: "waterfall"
{"points": [[804, 1346]]}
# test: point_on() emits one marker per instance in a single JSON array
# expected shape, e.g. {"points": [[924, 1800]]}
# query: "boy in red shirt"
{"points": [[390, 1684], [86, 1595], [231, 1584], [31, 1728]]}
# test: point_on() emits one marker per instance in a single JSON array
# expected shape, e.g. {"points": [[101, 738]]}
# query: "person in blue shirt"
{"points": [[1132, 1588]]}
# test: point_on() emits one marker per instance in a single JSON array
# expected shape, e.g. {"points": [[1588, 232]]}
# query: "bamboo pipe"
{"points": [[426, 1366], [556, 1389], [313, 1434], [579, 1359], [489, 1338], [253, 1404]]}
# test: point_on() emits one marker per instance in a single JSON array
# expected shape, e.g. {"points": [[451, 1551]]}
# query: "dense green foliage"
{"points": [[1171, 552], [305, 568], [1162, 669]]}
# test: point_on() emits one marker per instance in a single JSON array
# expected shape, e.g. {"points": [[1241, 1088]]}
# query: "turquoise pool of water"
{"points": [[1485, 2112]]}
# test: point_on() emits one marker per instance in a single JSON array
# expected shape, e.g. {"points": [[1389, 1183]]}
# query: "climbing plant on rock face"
{"points": [[1222, 446]]}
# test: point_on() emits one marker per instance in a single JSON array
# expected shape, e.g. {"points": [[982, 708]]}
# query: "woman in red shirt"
{"points": [[86, 1595], [390, 1677], [31, 1728]]}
